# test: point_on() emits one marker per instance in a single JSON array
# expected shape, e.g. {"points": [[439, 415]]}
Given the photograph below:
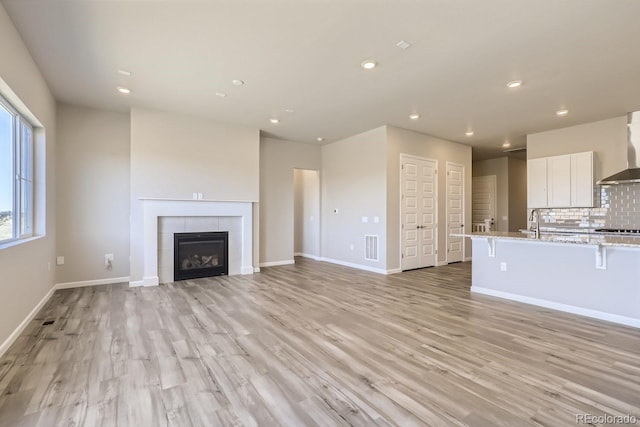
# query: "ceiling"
{"points": [[304, 56]]}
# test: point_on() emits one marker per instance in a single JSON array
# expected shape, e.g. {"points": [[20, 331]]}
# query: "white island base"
{"points": [[591, 280]]}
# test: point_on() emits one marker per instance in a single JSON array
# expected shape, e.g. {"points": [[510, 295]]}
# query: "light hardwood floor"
{"points": [[314, 344]]}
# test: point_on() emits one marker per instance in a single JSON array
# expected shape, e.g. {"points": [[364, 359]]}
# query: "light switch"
{"points": [[376, 219], [199, 196], [365, 219], [60, 260]]}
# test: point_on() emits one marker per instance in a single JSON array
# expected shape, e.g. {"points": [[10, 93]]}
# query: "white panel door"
{"points": [[418, 212], [455, 211], [483, 199]]}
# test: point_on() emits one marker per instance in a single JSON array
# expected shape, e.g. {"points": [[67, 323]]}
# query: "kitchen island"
{"points": [[588, 274]]}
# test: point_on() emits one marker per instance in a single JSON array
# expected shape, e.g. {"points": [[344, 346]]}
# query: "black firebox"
{"points": [[197, 255]]}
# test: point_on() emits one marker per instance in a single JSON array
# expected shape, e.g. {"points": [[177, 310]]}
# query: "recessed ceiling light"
{"points": [[237, 82], [506, 144], [320, 139], [289, 110], [414, 116], [403, 44], [368, 64], [562, 112], [274, 120], [469, 133], [124, 90], [221, 94], [514, 84], [124, 72]]}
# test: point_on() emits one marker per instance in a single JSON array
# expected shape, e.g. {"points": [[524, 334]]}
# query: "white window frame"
{"points": [[22, 177]]}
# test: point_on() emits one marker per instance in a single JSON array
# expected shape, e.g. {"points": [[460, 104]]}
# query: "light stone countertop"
{"points": [[578, 238]]}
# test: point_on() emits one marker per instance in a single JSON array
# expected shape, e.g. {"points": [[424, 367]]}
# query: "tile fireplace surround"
{"points": [[155, 211]]}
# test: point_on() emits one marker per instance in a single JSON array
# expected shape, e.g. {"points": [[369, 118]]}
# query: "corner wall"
{"points": [[93, 193], [354, 181], [28, 269], [278, 159]]}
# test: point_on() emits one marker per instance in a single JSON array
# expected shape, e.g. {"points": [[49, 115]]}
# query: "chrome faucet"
{"points": [[537, 213]]}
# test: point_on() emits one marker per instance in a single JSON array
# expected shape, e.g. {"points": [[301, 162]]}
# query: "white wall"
{"points": [[92, 156], [354, 181], [278, 159], [307, 212], [421, 145], [25, 274], [607, 138], [173, 156], [500, 168]]}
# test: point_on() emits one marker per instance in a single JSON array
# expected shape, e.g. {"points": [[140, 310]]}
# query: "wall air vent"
{"points": [[371, 247]]}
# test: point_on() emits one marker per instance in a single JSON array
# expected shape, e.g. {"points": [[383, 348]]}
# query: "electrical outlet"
{"points": [[60, 260], [195, 196], [108, 261], [199, 196], [365, 219], [503, 266], [376, 219]]}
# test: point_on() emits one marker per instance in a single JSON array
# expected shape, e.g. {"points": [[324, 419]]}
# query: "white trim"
{"points": [[302, 254], [82, 284], [394, 271], [21, 327], [601, 315], [246, 270], [441, 263], [136, 283], [467, 259], [276, 263], [256, 269], [350, 264]]}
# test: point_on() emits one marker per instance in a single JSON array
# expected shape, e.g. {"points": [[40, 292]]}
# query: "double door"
{"points": [[418, 212]]}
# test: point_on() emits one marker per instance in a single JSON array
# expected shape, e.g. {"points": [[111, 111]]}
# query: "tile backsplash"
{"points": [[619, 208]]}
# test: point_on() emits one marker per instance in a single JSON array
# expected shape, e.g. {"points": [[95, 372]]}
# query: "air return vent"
{"points": [[371, 247]]}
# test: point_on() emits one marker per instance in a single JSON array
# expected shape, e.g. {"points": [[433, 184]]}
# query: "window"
{"points": [[16, 174]]}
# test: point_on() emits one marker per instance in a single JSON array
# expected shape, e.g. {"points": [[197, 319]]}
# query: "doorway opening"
{"points": [[306, 213]]}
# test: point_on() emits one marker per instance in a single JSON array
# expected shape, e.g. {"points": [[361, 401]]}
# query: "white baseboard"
{"points": [[136, 283], [441, 263], [246, 270], [82, 284], [353, 265], [601, 315], [302, 254], [276, 263], [394, 271], [256, 269], [21, 327], [467, 259]]}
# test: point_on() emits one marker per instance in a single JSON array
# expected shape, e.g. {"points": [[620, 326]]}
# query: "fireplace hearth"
{"points": [[198, 255]]}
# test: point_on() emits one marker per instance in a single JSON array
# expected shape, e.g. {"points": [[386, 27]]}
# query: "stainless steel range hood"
{"points": [[632, 173]]}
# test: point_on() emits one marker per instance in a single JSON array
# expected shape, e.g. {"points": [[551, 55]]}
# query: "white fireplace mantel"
{"points": [[155, 208]]}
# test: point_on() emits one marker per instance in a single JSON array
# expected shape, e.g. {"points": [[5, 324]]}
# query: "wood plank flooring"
{"points": [[314, 344]]}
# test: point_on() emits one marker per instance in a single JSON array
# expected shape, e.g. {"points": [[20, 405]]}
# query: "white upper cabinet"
{"points": [[560, 181], [582, 179], [537, 183]]}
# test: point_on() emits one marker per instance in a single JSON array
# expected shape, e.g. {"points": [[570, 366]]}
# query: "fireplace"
{"points": [[199, 255]]}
